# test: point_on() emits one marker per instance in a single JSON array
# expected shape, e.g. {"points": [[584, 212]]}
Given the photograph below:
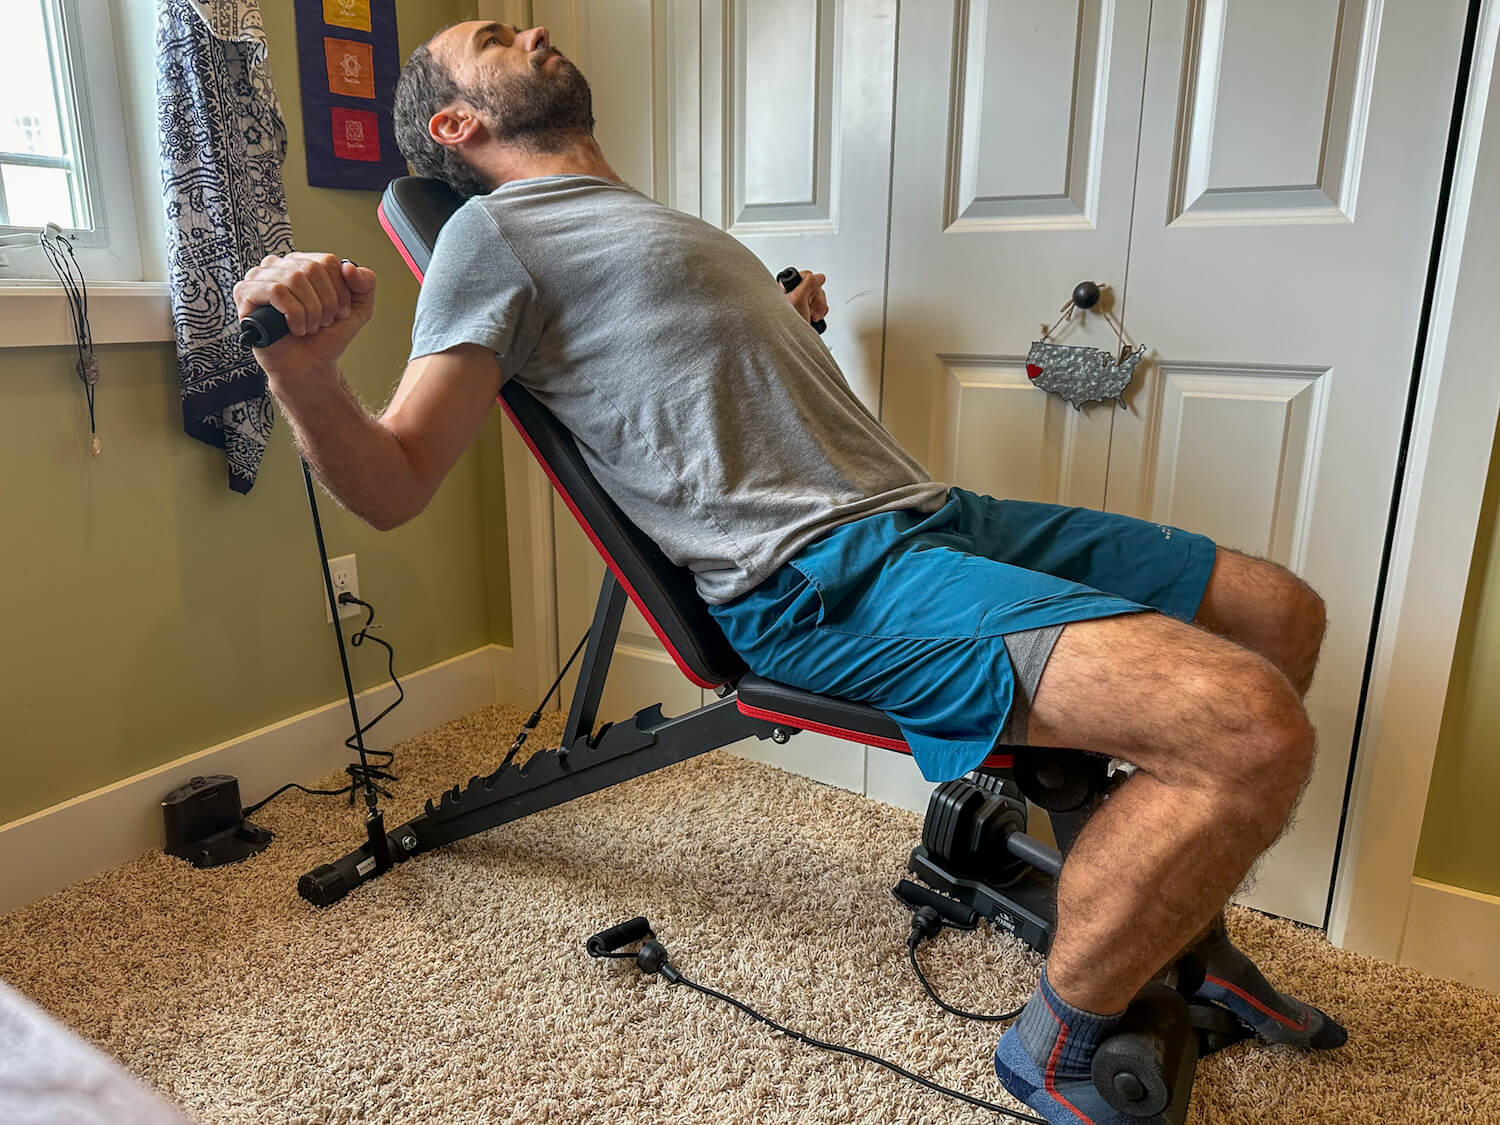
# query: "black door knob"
{"points": [[1086, 294]]}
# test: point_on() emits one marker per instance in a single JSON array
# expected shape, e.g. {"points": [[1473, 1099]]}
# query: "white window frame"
{"points": [[110, 251]]}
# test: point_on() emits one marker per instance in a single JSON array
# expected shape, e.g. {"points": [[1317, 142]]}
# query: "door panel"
{"points": [[1276, 95], [1289, 166], [1013, 176], [994, 424], [796, 133], [1036, 161], [1269, 420], [770, 119], [782, 57]]}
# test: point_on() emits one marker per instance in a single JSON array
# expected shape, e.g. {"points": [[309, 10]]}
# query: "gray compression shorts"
{"points": [[1029, 650]]}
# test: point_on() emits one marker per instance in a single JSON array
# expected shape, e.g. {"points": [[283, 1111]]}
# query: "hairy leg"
{"points": [[1263, 606], [1266, 608], [1222, 745]]}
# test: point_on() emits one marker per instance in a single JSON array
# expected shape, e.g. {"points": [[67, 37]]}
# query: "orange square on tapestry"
{"points": [[351, 68], [347, 13]]}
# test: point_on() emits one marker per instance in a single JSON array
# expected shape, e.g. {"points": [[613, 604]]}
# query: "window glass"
{"points": [[38, 134]]}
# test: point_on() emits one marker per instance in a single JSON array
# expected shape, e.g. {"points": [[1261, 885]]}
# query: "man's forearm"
{"points": [[357, 459]]}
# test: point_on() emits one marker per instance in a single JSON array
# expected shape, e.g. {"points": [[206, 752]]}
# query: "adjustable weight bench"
{"points": [[974, 840], [974, 845]]}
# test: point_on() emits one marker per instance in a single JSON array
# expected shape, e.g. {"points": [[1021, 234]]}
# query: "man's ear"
{"points": [[454, 124]]}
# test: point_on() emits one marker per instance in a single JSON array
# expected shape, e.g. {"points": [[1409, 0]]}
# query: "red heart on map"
{"points": [[1032, 371]]}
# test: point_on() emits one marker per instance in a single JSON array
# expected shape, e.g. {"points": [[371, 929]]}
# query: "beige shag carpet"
{"points": [[456, 987]]}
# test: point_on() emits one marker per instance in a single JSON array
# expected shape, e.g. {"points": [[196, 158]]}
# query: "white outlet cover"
{"points": [[345, 572]]}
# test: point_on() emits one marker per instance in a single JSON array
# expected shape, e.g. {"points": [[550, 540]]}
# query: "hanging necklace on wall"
{"points": [[59, 250], [1080, 374]]}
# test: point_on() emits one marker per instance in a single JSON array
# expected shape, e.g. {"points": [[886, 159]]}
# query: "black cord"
{"points": [[911, 950], [357, 771], [536, 716], [926, 923], [854, 1052], [364, 772], [59, 252], [253, 809]]}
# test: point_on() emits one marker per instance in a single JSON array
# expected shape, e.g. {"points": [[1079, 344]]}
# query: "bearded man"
{"points": [[713, 414]]}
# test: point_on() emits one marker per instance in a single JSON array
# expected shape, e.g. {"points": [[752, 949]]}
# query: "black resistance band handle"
{"points": [[790, 278], [955, 913], [266, 325], [263, 327], [626, 933]]}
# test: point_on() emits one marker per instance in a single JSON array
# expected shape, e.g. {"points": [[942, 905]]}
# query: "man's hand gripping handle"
{"points": [[816, 306]]}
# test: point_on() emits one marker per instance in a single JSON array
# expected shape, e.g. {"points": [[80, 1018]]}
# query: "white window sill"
{"points": [[34, 314]]}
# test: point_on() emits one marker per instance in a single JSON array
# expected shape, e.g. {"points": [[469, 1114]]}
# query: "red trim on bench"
{"points": [[994, 761], [400, 246], [599, 546]]}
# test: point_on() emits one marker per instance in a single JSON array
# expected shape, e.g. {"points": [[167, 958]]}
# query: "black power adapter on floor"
{"points": [[205, 822]]}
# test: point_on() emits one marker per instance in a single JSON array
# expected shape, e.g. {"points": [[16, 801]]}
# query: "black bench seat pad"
{"points": [[838, 716]]}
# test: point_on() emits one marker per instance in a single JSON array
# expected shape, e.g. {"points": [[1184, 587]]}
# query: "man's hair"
{"points": [[426, 86]]}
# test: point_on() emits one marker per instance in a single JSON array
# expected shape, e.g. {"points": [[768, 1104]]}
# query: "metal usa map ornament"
{"points": [[1080, 375]]}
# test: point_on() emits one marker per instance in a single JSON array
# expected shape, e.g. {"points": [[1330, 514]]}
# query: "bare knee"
{"points": [[1305, 612], [1298, 619], [1264, 606], [1296, 608], [1274, 753]]}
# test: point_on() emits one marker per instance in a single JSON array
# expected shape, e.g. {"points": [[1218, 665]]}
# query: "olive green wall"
{"points": [[149, 611], [1461, 829]]}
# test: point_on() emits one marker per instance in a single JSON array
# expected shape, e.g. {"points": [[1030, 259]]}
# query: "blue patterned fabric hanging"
{"points": [[223, 141]]}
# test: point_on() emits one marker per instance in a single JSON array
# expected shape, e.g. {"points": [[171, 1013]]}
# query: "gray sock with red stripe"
{"points": [[1232, 981], [1046, 1056]]}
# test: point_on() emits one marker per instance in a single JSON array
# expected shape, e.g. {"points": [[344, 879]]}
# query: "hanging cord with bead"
{"points": [[1085, 298], [59, 250]]}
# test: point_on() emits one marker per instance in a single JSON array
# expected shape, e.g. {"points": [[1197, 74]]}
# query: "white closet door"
{"points": [[1291, 153], [772, 120], [621, 48], [1014, 169], [1268, 239], [794, 146]]}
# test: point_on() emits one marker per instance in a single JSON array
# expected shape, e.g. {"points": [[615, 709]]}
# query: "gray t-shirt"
{"points": [[704, 404]]}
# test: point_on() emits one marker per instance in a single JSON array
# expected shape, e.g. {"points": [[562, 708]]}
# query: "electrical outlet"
{"points": [[345, 581]]}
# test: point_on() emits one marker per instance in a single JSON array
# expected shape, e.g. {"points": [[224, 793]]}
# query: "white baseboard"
{"points": [[1453, 932], [833, 761], [90, 833]]}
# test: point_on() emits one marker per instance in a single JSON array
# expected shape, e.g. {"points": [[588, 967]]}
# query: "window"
{"points": [[62, 150]]}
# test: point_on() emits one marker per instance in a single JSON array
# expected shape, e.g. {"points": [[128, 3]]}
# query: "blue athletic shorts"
{"points": [[908, 611]]}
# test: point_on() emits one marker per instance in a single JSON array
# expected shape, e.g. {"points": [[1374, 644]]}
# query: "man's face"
{"points": [[524, 89]]}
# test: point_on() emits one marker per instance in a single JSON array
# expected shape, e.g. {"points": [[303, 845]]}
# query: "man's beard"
{"points": [[540, 111]]}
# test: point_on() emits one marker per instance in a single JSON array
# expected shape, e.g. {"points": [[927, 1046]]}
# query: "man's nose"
{"points": [[534, 37]]}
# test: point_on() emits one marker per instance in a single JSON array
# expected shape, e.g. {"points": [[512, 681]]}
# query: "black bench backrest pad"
{"points": [[412, 212]]}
